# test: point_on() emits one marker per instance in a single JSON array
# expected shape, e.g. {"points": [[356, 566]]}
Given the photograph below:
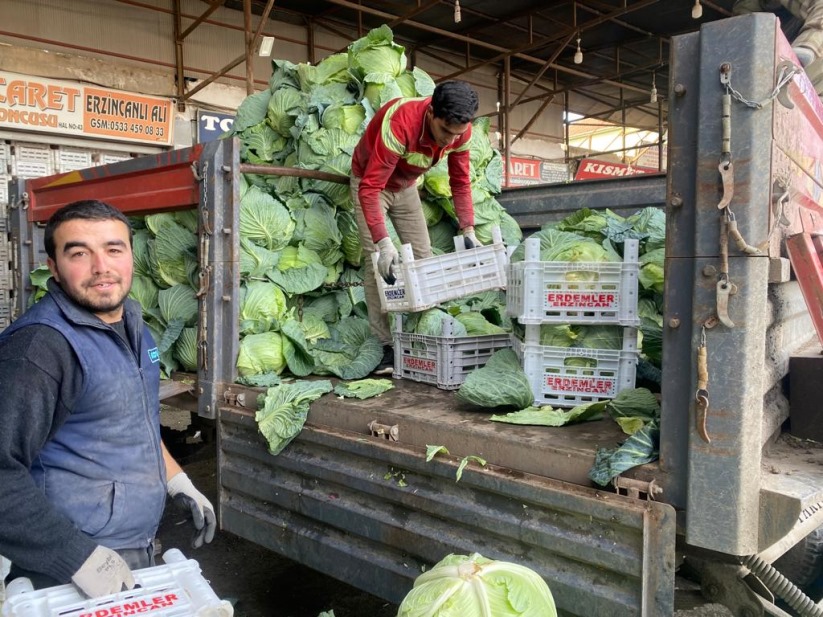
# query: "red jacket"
{"points": [[396, 149]]}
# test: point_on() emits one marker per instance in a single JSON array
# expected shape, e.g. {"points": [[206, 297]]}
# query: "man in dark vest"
{"points": [[83, 472]]}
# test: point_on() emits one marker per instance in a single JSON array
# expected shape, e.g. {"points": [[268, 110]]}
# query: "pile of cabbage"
{"points": [[302, 308], [301, 252]]}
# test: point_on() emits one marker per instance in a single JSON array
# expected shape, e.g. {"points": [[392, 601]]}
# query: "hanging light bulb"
{"points": [[653, 92], [578, 55], [457, 16], [697, 10]]}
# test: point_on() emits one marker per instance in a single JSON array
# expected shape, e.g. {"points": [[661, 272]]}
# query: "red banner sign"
{"points": [[591, 169]]}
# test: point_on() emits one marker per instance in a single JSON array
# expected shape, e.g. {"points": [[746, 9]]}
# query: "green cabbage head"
{"points": [[473, 586]]}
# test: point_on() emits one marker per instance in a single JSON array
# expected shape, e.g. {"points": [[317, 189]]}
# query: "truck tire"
{"points": [[803, 564]]}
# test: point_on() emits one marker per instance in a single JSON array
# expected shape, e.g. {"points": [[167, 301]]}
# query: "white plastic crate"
{"points": [[581, 293], [108, 156], [32, 160], [424, 283], [5, 158], [175, 589], [443, 361], [557, 382], [71, 159], [4, 189]]}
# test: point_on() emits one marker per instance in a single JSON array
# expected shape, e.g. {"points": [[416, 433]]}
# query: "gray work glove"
{"points": [[193, 502], [387, 259], [804, 54], [470, 239], [103, 573]]}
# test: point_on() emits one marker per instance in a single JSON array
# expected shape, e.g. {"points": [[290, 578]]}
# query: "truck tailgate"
{"points": [[374, 513]]}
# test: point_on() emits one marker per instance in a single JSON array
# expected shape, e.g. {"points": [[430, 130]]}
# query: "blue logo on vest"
{"points": [[154, 355]]}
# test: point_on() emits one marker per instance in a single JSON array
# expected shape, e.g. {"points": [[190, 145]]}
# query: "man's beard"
{"points": [[95, 305]]}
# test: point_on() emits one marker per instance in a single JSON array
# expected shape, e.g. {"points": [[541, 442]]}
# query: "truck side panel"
{"points": [[374, 513]]}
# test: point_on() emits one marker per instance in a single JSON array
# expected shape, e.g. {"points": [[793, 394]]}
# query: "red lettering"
{"points": [[581, 384], [419, 364]]}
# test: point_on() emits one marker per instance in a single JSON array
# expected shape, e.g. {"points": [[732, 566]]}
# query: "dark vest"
{"points": [[104, 468]]}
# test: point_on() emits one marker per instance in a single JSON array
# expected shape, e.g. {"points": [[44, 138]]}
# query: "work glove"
{"points": [[103, 573], [192, 501], [804, 54], [387, 259], [470, 239]]}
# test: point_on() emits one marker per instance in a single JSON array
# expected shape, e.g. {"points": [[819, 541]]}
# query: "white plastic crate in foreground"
{"points": [[580, 293], [570, 376], [424, 283], [175, 589], [443, 361]]}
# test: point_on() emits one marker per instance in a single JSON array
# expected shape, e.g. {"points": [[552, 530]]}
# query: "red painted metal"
{"points": [[159, 182], [805, 251]]}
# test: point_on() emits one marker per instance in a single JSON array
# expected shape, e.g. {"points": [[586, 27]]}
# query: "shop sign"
{"points": [[591, 169], [212, 125], [67, 108], [524, 172]]}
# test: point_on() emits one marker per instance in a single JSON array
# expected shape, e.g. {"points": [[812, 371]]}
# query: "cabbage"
{"points": [[185, 349], [264, 220], [284, 107], [261, 353], [476, 324], [473, 586], [285, 410], [299, 270], [376, 58], [263, 306], [334, 68], [502, 382], [178, 302], [363, 388], [433, 321]]}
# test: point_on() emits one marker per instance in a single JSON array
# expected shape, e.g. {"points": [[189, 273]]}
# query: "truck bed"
{"points": [[379, 511], [426, 415]]}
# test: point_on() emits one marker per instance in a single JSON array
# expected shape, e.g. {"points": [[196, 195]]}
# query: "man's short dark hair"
{"points": [[89, 210], [455, 102]]}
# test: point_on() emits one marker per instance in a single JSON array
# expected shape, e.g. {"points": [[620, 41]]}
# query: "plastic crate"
{"points": [[424, 283], [5, 158], [443, 361], [581, 293], [32, 160], [175, 589], [556, 383], [71, 159]]}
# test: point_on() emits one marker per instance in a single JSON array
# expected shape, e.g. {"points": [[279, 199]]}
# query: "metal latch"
{"points": [[237, 399], [392, 433], [637, 489]]}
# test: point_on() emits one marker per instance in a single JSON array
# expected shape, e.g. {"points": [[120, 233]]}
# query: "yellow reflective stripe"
{"points": [[464, 147], [391, 142], [416, 159]]}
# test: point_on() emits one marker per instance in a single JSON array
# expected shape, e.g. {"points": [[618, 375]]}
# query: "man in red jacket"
{"points": [[403, 140]]}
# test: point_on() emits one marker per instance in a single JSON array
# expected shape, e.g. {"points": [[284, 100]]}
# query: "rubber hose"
{"points": [[782, 587]]}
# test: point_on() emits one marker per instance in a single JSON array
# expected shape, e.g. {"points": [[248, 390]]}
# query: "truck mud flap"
{"points": [[374, 514]]}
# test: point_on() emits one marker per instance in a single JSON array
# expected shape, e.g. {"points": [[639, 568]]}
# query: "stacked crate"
{"points": [[602, 294], [443, 361]]}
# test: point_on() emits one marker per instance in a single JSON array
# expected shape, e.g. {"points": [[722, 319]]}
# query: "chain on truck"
{"points": [[725, 499]]}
